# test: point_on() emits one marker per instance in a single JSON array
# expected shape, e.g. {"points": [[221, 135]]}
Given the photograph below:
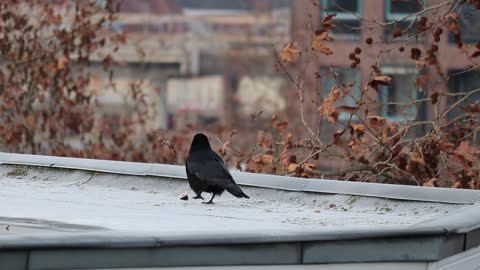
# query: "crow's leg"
{"points": [[199, 196], [211, 200]]}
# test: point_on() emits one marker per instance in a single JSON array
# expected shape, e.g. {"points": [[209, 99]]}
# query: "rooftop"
{"points": [[55, 209]]}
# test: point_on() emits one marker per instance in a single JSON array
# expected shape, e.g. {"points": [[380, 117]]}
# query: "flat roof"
{"points": [[70, 212]]}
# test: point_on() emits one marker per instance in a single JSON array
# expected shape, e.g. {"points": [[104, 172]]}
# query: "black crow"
{"points": [[207, 172]]}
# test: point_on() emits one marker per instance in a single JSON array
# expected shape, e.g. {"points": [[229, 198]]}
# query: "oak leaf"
{"points": [[287, 53], [317, 43], [327, 108], [379, 80]]}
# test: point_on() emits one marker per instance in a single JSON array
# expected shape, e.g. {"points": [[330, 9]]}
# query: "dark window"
{"points": [[346, 21], [205, 121], [405, 6], [342, 5], [408, 29], [397, 11], [216, 4], [346, 29], [462, 82], [396, 99], [469, 24]]}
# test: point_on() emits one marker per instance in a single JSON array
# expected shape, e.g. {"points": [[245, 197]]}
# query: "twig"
{"points": [[298, 85], [459, 102], [404, 18]]}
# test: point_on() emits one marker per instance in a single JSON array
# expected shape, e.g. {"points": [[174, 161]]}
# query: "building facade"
{"points": [[231, 39], [353, 27]]}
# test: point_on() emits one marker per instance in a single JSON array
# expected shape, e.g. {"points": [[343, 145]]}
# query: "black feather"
{"points": [[207, 172]]}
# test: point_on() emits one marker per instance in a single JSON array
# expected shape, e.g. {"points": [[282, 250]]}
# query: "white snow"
{"points": [[153, 205]]}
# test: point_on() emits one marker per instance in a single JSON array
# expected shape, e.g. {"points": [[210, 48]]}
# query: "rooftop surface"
{"points": [[153, 204], [51, 203]]}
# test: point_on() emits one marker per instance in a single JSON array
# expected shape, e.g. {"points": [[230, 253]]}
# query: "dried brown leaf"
{"points": [[431, 183], [327, 22], [379, 80], [252, 165], [293, 167], [262, 141], [62, 62], [267, 159], [420, 64], [327, 108], [376, 121], [288, 52], [317, 43], [360, 129], [347, 109], [457, 184], [466, 151], [309, 167], [281, 126], [472, 108]]}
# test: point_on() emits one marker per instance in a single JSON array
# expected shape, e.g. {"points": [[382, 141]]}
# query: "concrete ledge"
{"points": [[426, 194]]}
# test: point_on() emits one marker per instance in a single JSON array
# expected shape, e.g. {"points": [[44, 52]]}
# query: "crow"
{"points": [[206, 171]]}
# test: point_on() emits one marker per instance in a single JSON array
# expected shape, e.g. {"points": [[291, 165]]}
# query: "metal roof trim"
{"points": [[462, 221], [426, 194], [123, 239]]}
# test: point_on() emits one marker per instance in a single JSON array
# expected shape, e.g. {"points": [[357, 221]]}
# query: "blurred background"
{"points": [[205, 62], [183, 66], [213, 62]]}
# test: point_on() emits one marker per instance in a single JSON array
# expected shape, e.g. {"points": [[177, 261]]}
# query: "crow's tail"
{"points": [[236, 191]]}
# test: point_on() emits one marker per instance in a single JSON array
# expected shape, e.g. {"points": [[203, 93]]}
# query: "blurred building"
{"points": [[261, 93], [350, 32], [170, 41], [199, 100]]}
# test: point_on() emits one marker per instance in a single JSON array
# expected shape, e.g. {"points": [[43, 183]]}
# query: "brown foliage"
{"points": [[288, 52], [45, 100]]}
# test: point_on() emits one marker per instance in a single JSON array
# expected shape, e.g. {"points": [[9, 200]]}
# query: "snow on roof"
{"points": [[133, 203], [58, 202]]}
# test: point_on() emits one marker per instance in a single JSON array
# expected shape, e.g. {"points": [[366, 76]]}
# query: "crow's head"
{"points": [[200, 141]]}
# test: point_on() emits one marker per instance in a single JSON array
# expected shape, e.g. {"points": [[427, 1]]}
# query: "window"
{"points": [[339, 6], [396, 97], [346, 19], [343, 76], [469, 23], [461, 82], [397, 10]]}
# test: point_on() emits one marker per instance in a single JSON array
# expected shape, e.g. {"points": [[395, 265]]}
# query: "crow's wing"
{"points": [[211, 169]]}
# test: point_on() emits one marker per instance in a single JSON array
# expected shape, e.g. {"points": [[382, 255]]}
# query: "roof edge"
{"points": [[400, 192], [127, 239]]}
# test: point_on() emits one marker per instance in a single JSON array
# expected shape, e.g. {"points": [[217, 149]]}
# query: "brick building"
{"points": [[394, 63]]}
